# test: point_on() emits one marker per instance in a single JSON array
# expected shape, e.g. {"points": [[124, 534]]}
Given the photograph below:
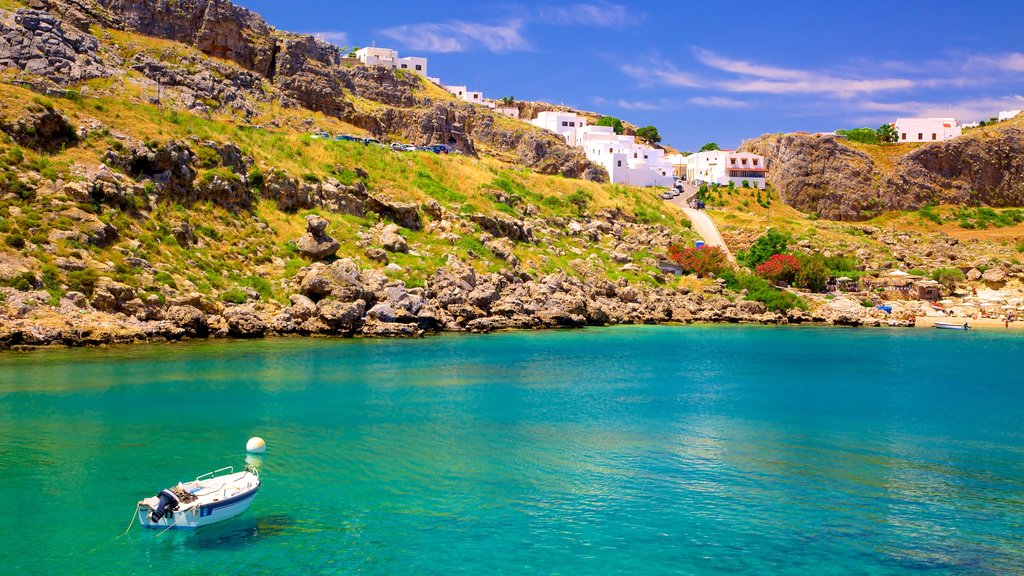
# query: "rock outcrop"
{"points": [[826, 176], [36, 41]]}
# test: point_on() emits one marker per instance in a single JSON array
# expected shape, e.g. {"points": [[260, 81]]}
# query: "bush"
{"points": [[948, 277], [83, 280], [771, 243], [863, 135], [759, 290], [779, 268], [165, 279], [235, 296], [16, 241], [814, 273], [24, 282], [256, 179], [260, 285], [928, 212], [704, 262]]}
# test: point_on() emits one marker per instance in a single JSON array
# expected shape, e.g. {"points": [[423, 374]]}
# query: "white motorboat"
{"points": [[211, 497], [952, 326]]}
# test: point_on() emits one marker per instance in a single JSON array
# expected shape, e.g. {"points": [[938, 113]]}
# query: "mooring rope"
{"points": [[135, 513]]}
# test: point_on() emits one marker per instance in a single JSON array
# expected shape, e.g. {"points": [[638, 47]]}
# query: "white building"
{"points": [[389, 59], [626, 161], [1007, 114], [462, 93], [724, 166], [927, 129]]}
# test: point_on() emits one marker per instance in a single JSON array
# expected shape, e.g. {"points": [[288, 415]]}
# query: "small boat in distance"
{"points": [[207, 499], [952, 326]]}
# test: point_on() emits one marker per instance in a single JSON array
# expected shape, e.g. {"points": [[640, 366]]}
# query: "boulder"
{"points": [[315, 243], [341, 316], [391, 240], [244, 322], [190, 319]]}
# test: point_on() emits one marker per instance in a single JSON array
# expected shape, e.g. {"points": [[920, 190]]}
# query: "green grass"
{"points": [[760, 290]]}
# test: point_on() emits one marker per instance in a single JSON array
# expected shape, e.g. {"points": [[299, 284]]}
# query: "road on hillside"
{"points": [[701, 222]]}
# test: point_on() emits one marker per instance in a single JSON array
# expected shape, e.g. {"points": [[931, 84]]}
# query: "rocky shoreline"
{"points": [[340, 299]]}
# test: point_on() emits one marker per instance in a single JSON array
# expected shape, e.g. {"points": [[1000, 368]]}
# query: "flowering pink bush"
{"points": [[704, 261], [779, 268]]}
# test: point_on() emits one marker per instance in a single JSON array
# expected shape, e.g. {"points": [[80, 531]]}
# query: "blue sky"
{"points": [[704, 71]]}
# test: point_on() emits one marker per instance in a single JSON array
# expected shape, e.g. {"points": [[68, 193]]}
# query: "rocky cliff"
{"points": [[837, 180]]}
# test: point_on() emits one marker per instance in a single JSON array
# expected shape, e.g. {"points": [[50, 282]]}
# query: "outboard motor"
{"points": [[168, 503]]}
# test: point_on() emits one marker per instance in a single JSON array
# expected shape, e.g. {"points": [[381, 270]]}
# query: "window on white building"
{"points": [[903, 136], [404, 66], [620, 164], [920, 136], [419, 67], [933, 135]]}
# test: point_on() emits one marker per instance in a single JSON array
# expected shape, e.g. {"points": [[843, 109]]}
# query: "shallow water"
{"points": [[654, 450]]}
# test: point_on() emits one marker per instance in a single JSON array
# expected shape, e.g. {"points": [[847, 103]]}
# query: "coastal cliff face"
{"points": [[833, 179]]}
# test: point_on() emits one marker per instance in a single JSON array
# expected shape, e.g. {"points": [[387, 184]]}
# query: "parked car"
{"points": [[319, 134], [440, 148], [346, 138], [399, 147], [667, 196]]}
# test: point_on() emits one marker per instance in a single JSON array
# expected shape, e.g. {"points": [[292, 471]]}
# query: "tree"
{"points": [[648, 134], [508, 100], [887, 133], [771, 243], [709, 146], [814, 273], [612, 121]]}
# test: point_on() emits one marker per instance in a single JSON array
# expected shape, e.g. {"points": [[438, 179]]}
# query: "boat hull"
{"points": [[945, 326], [199, 516]]}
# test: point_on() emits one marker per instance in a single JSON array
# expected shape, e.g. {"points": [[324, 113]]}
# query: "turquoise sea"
{"points": [[629, 450]]}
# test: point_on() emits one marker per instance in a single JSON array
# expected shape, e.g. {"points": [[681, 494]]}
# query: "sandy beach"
{"points": [[981, 323]]}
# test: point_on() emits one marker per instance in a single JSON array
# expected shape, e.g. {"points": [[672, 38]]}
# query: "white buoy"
{"points": [[256, 445]]}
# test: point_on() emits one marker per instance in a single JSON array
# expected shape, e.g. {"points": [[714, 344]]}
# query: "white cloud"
{"points": [[965, 110], [776, 80], [1013, 62], [603, 15], [332, 37], [718, 102], [459, 36], [663, 73]]}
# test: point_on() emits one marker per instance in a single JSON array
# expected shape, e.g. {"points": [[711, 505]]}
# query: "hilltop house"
{"points": [[927, 129], [724, 166], [462, 93], [389, 59], [1007, 114], [626, 161]]}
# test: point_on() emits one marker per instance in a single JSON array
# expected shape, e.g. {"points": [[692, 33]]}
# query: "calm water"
{"points": [[641, 450]]}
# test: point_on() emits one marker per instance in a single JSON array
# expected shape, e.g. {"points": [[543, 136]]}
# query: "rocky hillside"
{"points": [[240, 61], [840, 180]]}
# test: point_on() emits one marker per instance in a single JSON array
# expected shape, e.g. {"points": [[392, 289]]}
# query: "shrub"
{"points": [[814, 273], [260, 285], [779, 268], [928, 212], [83, 280], [165, 279], [759, 290], [703, 262], [256, 179], [235, 296], [948, 277], [24, 281], [16, 241], [771, 243]]}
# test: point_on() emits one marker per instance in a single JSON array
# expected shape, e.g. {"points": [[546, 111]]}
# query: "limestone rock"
{"points": [[189, 319], [244, 322], [315, 243], [391, 240]]}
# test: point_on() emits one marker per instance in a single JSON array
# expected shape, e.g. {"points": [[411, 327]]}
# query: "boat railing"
{"points": [[214, 473]]}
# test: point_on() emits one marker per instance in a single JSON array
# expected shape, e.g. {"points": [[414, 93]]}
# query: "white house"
{"points": [[462, 93], [626, 161], [724, 166], [389, 59], [927, 129], [562, 123], [1007, 114]]}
